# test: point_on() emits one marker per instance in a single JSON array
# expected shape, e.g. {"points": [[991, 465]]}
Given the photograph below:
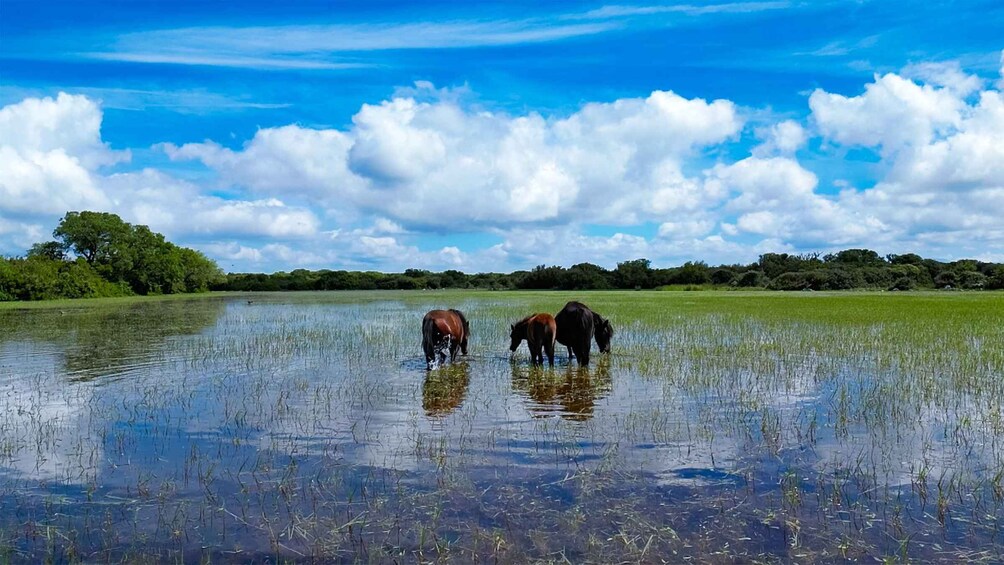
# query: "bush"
{"points": [[790, 281], [722, 276], [751, 279], [972, 280], [903, 283], [946, 278]]}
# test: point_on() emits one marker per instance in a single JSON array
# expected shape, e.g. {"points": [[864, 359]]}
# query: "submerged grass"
{"points": [[754, 427]]}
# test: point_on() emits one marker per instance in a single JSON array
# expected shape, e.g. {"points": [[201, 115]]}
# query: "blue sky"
{"points": [[499, 136]]}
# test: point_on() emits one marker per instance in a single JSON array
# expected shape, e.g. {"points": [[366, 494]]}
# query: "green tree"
{"points": [[751, 279], [98, 237], [585, 276], [860, 257], [52, 250], [634, 274], [722, 276], [201, 272]]}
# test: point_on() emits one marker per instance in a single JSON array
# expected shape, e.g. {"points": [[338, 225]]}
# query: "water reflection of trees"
{"points": [[95, 340], [571, 392], [444, 389]]}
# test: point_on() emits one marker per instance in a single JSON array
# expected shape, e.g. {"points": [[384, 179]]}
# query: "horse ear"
{"points": [[512, 326]]}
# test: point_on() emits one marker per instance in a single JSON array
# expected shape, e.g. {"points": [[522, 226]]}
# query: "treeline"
{"points": [[97, 254], [849, 269]]}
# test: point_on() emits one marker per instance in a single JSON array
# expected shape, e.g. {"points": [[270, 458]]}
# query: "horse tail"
{"points": [[467, 330], [429, 337]]}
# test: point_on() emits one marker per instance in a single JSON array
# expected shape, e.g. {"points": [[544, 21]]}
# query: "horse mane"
{"points": [[600, 320]]}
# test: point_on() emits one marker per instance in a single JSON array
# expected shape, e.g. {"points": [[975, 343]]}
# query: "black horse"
{"points": [[577, 326]]}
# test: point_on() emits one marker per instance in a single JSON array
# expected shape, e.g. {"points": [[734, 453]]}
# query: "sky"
{"points": [[496, 136]]}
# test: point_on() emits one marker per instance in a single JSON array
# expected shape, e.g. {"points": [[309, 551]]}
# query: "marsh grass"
{"points": [[756, 427]]}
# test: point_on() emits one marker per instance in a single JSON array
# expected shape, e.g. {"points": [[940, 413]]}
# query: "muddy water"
{"points": [[305, 427]]}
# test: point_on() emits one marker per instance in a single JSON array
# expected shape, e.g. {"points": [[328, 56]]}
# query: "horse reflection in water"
{"points": [[443, 391], [571, 393]]}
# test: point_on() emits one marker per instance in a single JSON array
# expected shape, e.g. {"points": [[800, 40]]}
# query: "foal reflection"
{"points": [[571, 393], [443, 390]]}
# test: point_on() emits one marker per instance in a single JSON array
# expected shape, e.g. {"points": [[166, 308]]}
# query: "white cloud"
{"points": [[323, 46], [782, 138], [363, 196], [943, 191], [67, 124], [441, 164], [616, 11], [686, 228], [51, 159], [286, 160], [948, 75], [47, 149], [393, 142], [1000, 81], [894, 112]]}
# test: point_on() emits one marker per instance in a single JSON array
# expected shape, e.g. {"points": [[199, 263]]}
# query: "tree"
{"points": [[995, 281], [752, 279], [860, 257], [95, 236], [585, 276], [542, 277], [634, 274], [52, 250], [775, 264], [692, 272], [722, 276], [201, 272], [972, 280]]}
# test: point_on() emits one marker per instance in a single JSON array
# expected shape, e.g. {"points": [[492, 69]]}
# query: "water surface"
{"points": [[305, 427]]}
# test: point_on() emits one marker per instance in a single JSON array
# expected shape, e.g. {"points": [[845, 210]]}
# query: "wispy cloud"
{"points": [[234, 60], [181, 101], [318, 46], [620, 11]]}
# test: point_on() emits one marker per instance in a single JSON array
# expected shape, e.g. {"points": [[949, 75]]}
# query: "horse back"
{"points": [[542, 328], [574, 323], [444, 323]]}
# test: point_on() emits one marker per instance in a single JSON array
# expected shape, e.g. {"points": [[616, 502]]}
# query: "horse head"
{"points": [[517, 334], [604, 332]]}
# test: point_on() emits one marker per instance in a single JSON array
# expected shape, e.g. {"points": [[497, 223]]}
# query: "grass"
{"points": [[725, 426]]}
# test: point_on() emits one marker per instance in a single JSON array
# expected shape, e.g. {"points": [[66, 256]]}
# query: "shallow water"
{"points": [[305, 427]]}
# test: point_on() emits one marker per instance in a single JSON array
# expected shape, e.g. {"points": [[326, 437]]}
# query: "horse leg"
{"points": [[538, 357], [430, 352], [583, 354], [549, 349], [570, 356]]}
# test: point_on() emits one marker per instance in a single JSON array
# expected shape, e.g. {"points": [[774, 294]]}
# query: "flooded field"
{"points": [[723, 427]]}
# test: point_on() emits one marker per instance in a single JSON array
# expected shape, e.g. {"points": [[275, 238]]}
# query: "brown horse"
{"points": [[442, 330], [577, 326], [539, 331]]}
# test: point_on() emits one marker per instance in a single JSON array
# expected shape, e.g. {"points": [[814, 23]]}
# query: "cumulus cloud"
{"points": [[285, 160], [52, 160], [944, 187], [441, 164], [67, 124], [364, 196], [47, 149], [894, 112], [782, 138]]}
